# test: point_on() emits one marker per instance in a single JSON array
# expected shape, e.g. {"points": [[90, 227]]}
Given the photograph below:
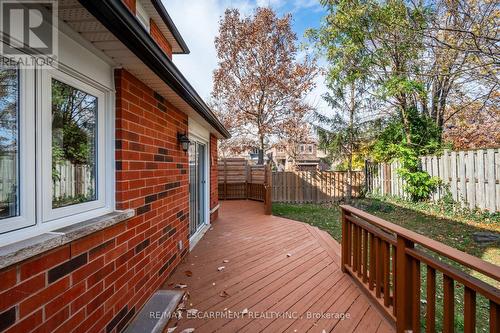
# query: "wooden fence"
{"points": [[472, 177], [239, 180], [314, 186], [71, 181], [388, 260]]}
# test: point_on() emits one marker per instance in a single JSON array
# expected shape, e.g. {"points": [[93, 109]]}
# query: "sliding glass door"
{"points": [[197, 186]]}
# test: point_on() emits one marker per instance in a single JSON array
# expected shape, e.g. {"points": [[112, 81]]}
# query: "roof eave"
{"points": [[162, 11], [119, 21]]}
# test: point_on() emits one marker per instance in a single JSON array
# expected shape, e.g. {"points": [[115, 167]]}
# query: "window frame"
{"points": [[48, 213], [142, 16], [26, 152]]}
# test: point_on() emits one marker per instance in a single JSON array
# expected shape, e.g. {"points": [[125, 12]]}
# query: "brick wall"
{"points": [[214, 190], [98, 283], [154, 31], [130, 5], [160, 39]]}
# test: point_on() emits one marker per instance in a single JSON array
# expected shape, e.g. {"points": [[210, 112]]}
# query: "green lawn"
{"points": [[453, 230]]}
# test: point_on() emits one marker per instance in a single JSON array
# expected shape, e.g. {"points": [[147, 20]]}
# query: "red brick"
{"points": [[86, 243], [100, 274], [8, 278], [160, 39], [43, 297], [72, 322], [130, 5], [89, 295], [100, 299], [54, 322], [27, 324], [85, 271], [21, 291], [69, 295], [45, 262], [91, 320]]}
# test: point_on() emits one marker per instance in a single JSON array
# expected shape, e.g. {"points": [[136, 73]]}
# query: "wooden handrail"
{"points": [[463, 258], [383, 259]]}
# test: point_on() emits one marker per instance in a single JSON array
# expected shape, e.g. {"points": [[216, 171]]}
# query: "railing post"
{"points": [[268, 187], [404, 280], [345, 242]]}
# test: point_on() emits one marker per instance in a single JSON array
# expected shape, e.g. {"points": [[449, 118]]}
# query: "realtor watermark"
{"points": [[29, 33], [228, 314]]}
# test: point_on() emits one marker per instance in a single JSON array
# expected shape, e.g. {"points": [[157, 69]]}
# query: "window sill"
{"points": [[16, 252]]}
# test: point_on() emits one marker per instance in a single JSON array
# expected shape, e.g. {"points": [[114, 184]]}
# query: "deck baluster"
{"points": [[430, 317]]}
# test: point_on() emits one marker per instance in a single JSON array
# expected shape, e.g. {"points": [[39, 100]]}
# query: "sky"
{"points": [[198, 23]]}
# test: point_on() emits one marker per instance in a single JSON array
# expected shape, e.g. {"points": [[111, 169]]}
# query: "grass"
{"points": [[454, 228]]}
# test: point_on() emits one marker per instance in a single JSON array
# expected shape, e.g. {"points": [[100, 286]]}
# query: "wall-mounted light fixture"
{"points": [[184, 141]]}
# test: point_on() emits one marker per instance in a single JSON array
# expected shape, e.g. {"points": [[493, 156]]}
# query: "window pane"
{"points": [[74, 120], [9, 142]]}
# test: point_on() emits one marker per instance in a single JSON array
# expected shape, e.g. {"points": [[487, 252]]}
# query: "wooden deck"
{"points": [[284, 273]]}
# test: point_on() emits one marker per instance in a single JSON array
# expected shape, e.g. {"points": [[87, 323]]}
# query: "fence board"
{"points": [[238, 180], [472, 177], [314, 186]]}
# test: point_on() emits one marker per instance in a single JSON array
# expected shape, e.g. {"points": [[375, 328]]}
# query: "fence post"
{"points": [[225, 179], [404, 280], [268, 186]]}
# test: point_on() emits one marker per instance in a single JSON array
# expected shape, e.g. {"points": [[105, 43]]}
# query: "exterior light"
{"points": [[184, 141]]}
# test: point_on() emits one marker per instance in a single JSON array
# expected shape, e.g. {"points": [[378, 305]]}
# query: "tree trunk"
{"points": [[261, 151], [351, 141]]}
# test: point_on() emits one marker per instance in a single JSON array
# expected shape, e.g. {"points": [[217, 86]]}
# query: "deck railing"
{"points": [[386, 260]]}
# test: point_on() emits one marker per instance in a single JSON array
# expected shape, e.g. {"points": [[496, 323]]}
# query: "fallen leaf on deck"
{"points": [[171, 329], [188, 273], [181, 286], [225, 261], [188, 330], [244, 311], [288, 254], [223, 294], [221, 268]]}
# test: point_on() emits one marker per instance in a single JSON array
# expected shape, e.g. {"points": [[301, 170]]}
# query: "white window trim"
{"points": [[195, 133], [26, 171], [142, 16], [48, 213], [34, 191]]}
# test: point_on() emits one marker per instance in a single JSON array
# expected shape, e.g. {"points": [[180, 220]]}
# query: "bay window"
{"points": [[55, 155]]}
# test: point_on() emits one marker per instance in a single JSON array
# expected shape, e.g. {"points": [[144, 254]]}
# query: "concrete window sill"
{"points": [[16, 252]]}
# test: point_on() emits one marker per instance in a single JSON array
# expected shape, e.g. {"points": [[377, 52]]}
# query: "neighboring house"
{"points": [[108, 197], [250, 154], [306, 156]]}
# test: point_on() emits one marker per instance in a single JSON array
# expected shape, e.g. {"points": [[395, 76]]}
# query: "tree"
{"points": [[259, 81], [380, 45], [459, 66], [295, 131], [345, 133]]}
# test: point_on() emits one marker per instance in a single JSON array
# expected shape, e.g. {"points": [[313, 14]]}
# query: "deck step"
{"points": [[163, 303]]}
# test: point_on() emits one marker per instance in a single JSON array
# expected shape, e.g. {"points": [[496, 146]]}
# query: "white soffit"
{"points": [[81, 21], [151, 11]]}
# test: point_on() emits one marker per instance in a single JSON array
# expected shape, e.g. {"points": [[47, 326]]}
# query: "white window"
{"points": [[56, 164], [142, 15]]}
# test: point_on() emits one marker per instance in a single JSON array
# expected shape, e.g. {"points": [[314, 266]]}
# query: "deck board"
{"points": [[278, 269]]}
